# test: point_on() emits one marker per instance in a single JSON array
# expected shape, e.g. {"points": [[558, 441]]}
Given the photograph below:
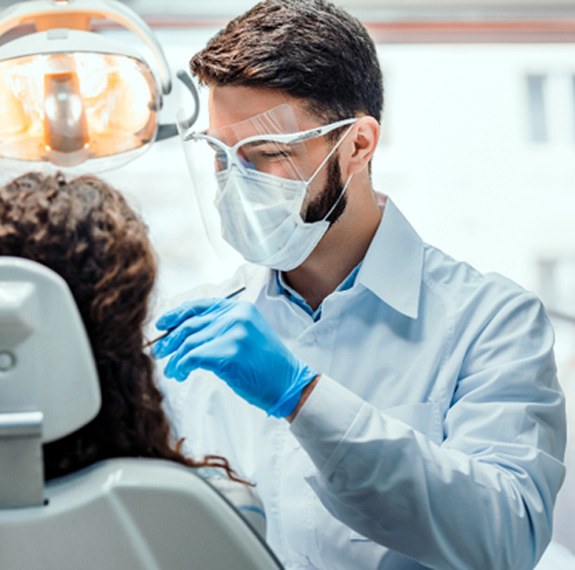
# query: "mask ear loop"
{"points": [[338, 199], [323, 162]]}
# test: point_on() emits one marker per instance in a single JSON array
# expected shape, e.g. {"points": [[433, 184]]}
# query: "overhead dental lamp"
{"points": [[70, 96]]}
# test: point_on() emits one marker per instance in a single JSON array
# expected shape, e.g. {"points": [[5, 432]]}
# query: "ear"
{"points": [[363, 140]]}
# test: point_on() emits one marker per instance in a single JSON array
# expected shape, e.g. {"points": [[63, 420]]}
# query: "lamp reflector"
{"points": [[69, 107]]}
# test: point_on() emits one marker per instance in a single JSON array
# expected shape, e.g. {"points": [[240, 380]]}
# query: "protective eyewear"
{"points": [[268, 153]]}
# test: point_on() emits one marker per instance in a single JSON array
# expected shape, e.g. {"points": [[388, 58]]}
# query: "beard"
{"points": [[322, 204]]}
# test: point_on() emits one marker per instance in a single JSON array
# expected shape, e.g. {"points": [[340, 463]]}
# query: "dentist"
{"points": [[396, 409]]}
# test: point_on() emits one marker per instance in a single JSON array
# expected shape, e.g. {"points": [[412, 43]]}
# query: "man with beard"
{"points": [[425, 425]]}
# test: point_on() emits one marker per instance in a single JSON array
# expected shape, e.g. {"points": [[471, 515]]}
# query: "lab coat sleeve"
{"points": [[481, 498]]}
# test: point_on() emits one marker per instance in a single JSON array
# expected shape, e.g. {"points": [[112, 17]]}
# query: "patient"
{"points": [[85, 231]]}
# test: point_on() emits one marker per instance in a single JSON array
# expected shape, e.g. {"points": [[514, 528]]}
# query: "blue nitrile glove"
{"points": [[233, 340]]}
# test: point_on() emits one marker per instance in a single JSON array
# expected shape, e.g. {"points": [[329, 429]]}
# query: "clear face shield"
{"points": [[249, 177]]}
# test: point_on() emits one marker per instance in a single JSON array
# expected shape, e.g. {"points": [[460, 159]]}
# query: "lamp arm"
{"points": [[171, 130], [35, 11]]}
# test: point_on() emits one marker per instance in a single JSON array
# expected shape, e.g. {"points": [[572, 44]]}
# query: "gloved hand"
{"points": [[233, 340]]}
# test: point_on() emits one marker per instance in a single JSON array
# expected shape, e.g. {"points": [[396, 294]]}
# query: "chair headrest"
{"points": [[46, 362]]}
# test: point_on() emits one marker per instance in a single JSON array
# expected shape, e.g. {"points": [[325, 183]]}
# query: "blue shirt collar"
{"points": [[278, 286]]}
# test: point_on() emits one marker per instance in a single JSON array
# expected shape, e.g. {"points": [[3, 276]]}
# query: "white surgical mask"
{"points": [[261, 216]]}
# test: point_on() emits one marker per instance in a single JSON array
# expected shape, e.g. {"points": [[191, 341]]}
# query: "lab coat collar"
{"points": [[393, 265]]}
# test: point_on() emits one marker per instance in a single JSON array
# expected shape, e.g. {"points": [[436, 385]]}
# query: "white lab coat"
{"points": [[435, 436]]}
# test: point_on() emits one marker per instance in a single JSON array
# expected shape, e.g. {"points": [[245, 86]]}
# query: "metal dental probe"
{"points": [[166, 332]]}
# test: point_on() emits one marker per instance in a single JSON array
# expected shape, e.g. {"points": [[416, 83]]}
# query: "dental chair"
{"points": [[117, 514]]}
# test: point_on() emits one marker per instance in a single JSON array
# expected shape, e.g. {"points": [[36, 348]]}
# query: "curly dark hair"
{"points": [[309, 49], [86, 232]]}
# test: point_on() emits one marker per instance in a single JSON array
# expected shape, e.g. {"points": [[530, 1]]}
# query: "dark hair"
{"points": [[309, 49], [86, 232]]}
